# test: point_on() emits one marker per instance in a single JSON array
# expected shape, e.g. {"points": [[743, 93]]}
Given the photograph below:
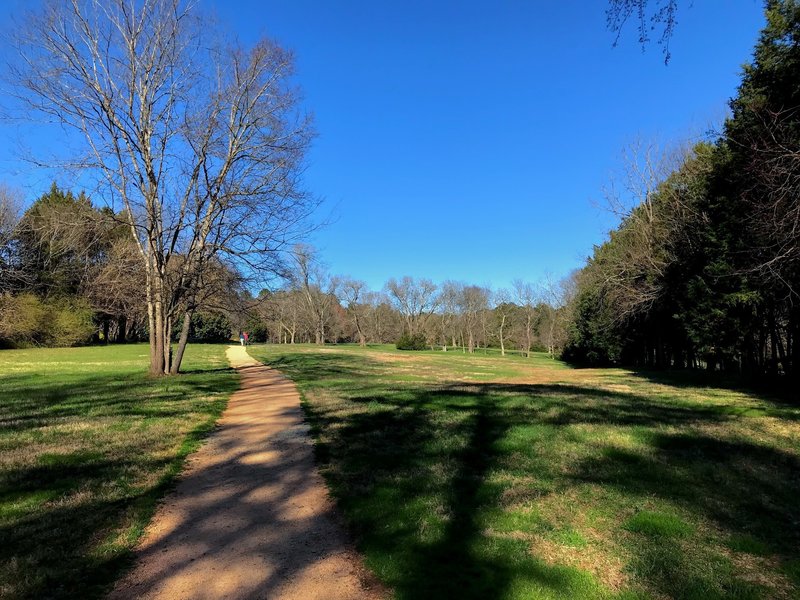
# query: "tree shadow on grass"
{"points": [[409, 467], [51, 552], [411, 477], [394, 487], [777, 390], [27, 403], [312, 367], [56, 507]]}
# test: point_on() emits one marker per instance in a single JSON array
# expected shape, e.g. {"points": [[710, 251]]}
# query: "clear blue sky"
{"points": [[467, 140]]}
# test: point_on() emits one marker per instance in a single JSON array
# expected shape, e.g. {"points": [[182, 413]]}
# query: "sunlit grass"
{"points": [[480, 476], [88, 443]]}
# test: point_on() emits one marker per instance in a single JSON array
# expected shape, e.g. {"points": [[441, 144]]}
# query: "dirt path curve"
{"points": [[250, 516]]}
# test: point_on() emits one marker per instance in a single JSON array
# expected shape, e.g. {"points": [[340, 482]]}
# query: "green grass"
{"points": [[88, 444], [488, 477]]}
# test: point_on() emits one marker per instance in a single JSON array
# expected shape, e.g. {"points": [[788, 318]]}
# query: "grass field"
{"points": [[489, 477], [88, 443]]}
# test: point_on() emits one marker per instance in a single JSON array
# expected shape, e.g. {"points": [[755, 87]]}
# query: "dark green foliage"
{"points": [[411, 342], [209, 327], [257, 330], [592, 338], [59, 238], [706, 273]]}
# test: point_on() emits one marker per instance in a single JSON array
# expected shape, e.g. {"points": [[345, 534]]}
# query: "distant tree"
{"points": [[383, 324], [415, 299], [554, 312], [503, 311], [473, 301], [60, 239], [526, 297], [352, 293], [10, 210], [209, 327], [317, 287], [282, 311], [116, 288], [449, 317], [200, 141]]}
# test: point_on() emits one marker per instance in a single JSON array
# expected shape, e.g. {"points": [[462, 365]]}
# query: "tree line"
{"points": [[315, 306], [71, 275], [703, 271]]}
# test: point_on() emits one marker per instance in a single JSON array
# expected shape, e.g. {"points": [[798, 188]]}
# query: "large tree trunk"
{"points": [[156, 340], [167, 343], [178, 357], [155, 313]]}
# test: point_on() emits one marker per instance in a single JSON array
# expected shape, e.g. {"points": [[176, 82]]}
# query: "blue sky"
{"points": [[468, 140]]}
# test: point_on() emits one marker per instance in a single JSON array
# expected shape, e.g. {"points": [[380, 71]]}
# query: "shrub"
{"points": [[69, 322], [21, 317], [257, 330], [411, 342], [26, 319], [209, 327]]}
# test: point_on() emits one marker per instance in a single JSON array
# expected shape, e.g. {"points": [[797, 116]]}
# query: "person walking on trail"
{"points": [[241, 338], [246, 338]]}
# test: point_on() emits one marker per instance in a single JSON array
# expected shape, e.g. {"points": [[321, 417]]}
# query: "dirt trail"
{"points": [[250, 516]]}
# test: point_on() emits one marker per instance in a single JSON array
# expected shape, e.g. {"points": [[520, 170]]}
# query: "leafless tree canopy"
{"points": [[199, 141], [416, 300]]}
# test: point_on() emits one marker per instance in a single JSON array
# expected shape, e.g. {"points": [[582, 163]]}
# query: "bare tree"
{"points": [[653, 205], [503, 311], [281, 310], [317, 287], [556, 296], [382, 323], [353, 292], [116, 287], [473, 301], [415, 299], [526, 297], [199, 140]]}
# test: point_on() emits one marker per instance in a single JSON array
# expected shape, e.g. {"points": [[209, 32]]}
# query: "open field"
{"points": [[490, 477], [88, 443]]}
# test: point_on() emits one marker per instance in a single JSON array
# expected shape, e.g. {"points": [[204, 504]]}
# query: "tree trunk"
{"points": [[122, 326], [156, 340], [167, 343], [178, 357], [502, 344], [158, 360]]}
